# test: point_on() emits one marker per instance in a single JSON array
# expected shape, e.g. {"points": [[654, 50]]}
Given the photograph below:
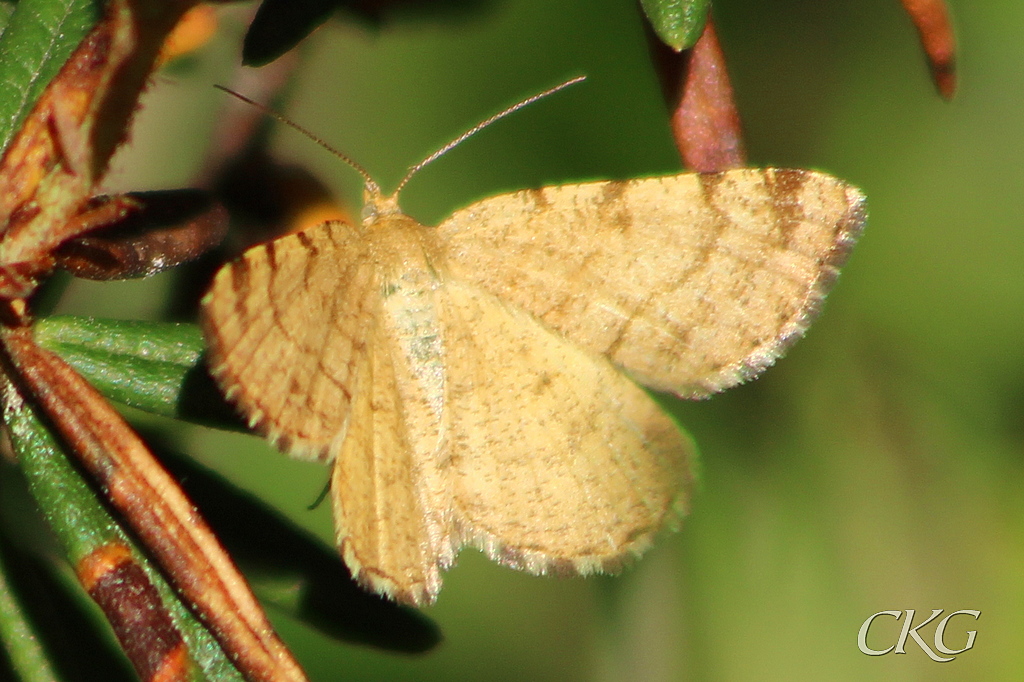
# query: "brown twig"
{"points": [[705, 121], [931, 17]]}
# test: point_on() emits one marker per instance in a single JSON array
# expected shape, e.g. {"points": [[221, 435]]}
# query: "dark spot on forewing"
{"points": [[271, 250], [612, 209], [784, 189], [613, 191], [709, 183], [848, 229], [241, 283], [540, 198], [308, 244]]}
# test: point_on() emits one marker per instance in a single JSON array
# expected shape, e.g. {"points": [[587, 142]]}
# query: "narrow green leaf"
{"points": [[161, 342], [678, 23], [36, 42], [82, 524], [19, 638], [68, 503], [156, 367], [6, 10]]}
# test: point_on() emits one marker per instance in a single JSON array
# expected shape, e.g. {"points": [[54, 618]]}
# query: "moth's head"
{"points": [[376, 205]]}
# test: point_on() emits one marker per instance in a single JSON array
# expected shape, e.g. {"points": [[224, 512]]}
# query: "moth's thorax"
{"points": [[399, 246], [407, 260]]}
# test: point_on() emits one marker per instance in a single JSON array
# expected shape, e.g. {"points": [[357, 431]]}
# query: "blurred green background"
{"points": [[877, 467]]}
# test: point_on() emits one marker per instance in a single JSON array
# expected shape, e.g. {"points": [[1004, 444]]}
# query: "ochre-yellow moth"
{"points": [[476, 383]]}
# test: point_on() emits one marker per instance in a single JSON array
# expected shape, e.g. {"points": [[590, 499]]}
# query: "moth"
{"points": [[479, 382]]}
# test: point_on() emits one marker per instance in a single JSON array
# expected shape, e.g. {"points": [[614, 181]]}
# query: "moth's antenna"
{"points": [[480, 126], [273, 114]]}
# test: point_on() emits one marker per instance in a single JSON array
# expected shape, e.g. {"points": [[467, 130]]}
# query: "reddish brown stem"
{"points": [[705, 121], [931, 17]]}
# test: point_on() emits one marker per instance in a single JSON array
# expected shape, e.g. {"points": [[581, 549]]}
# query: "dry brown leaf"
{"points": [[51, 167]]}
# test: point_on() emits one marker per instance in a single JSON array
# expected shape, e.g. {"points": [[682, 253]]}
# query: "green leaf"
{"points": [[140, 364], [678, 23], [18, 636], [153, 366], [37, 40], [6, 10]]}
